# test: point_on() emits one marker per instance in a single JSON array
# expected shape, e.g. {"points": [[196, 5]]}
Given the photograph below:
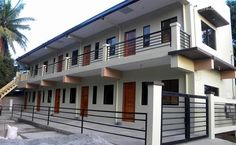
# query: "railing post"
{"points": [[211, 117], [175, 36], [187, 118], [21, 110], [105, 52], [82, 122], [33, 114], [48, 120], [154, 113]]}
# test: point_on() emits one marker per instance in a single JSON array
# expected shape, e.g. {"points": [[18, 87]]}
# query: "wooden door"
{"points": [[84, 101], [26, 100], [57, 101], [129, 101], [130, 43], [38, 101], [59, 63], [86, 55]]}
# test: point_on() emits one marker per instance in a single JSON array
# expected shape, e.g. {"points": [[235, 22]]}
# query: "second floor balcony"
{"points": [[148, 50]]}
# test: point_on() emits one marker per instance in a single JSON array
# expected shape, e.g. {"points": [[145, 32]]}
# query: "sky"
{"points": [[56, 16]]}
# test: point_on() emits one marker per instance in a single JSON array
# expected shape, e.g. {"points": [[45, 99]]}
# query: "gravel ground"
{"points": [[75, 139]]}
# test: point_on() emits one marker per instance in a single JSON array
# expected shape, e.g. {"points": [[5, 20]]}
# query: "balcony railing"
{"points": [[174, 37]]}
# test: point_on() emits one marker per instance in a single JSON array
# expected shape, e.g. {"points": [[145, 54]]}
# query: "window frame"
{"points": [[146, 37], [63, 96], [144, 97], [96, 51], [171, 99], [112, 48], [208, 38], [49, 99], [95, 91], [74, 57], [73, 97], [106, 99]]}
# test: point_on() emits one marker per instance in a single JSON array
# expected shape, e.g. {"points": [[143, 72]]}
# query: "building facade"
{"points": [[106, 62]]}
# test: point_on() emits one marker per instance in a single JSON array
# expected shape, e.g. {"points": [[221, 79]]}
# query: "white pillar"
{"points": [[211, 108], [43, 70], [11, 104], [154, 113], [105, 50], [175, 36], [66, 63]]}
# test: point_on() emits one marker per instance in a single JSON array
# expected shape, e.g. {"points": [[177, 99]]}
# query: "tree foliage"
{"points": [[7, 69], [11, 25], [232, 5]]}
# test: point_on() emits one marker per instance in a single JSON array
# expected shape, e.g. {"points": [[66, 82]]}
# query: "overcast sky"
{"points": [[56, 16]]}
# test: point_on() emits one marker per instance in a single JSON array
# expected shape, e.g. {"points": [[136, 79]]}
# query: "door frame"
{"points": [[57, 106], [124, 104], [60, 63], [127, 45], [84, 111], [86, 56]]}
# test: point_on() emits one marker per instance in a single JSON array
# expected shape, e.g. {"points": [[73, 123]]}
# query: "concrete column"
{"points": [[211, 116], [67, 63], [105, 50], [175, 36], [154, 114], [43, 70]]}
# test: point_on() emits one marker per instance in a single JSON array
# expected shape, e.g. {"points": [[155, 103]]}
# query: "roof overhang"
{"points": [[213, 16], [111, 18], [196, 53]]}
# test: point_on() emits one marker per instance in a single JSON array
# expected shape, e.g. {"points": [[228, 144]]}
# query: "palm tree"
{"points": [[11, 26]]}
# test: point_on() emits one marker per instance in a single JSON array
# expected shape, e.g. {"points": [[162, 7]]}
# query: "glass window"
{"points": [[171, 86], [208, 36], [36, 70], [64, 96], [49, 96], [112, 50], [108, 94], [94, 94], [144, 93], [96, 54], [210, 89], [72, 95], [166, 30], [146, 36], [33, 98], [43, 96], [74, 60], [46, 65]]}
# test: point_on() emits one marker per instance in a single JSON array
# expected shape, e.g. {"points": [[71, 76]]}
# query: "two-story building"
{"points": [[106, 62]]}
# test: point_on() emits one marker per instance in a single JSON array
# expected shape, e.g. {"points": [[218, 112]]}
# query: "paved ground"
{"points": [[209, 142]]}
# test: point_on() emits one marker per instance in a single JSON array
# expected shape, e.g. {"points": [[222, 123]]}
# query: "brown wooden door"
{"points": [[59, 64], [84, 101], [57, 101], [38, 101], [129, 101], [86, 56], [26, 100], [130, 43]]}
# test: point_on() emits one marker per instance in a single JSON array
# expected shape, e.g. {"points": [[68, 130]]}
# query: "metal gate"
{"points": [[184, 117]]}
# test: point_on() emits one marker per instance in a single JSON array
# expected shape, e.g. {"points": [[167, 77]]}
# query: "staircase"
{"points": [[7, 88]]}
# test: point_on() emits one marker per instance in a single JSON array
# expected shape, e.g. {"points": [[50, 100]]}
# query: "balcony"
{"points": [[147, 50]]}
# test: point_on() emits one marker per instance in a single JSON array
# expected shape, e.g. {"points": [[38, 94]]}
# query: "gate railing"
{"points": [[184, 117], [102, 121]]}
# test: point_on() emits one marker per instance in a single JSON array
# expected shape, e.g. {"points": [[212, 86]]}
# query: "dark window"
{"points": [[43, 96], [74, 60], [49, 96], [94, 94], [34, 95], [29, 96], [64, 96], [112, 48], [210, 90], [171, 86], [108, 94], [146, 36], [72, 95], [144, 93], [36, 70], [96, 54], [166, 30], [67, 54], [53, 66], [208, 36], [46, 65]]}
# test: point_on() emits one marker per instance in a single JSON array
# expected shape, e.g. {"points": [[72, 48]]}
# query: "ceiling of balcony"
{"points": [[95, 25]]}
